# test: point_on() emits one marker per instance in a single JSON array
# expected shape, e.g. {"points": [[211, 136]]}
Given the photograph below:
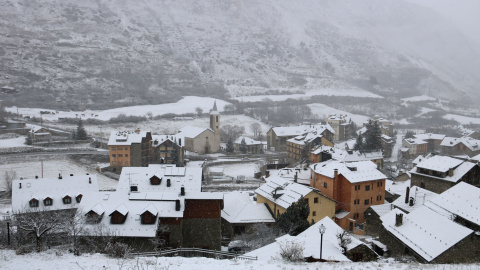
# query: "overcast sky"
{"points": [[463, 13]]}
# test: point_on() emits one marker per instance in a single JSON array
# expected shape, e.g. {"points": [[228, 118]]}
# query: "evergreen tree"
{"points": [[81, 133], [295, 219], [359, 144], [230, 147], [243, 146], [373, 138], [28, 140]]}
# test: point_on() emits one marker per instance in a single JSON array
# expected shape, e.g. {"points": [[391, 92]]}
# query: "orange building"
{"points": [[129, 149], [355, 186]]}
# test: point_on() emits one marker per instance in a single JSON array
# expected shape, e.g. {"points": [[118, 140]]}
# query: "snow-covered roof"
{"points": [[361, 131], [460, 200], [425, 231], [303, 129], [420, 197], [189, 177], [239, 208], [350, 155], [396, 187], [305, 138], [288, 192], [414, 141], [439, 163], [470, 143], [310, 240], [341, 117], [54, 188], [109, 202], [464, 132], [303, 174], [192, 132], [354, 172], [126, 137], [429, 136], [418, 159], [248, 141], [382, 209], [159, 139]]}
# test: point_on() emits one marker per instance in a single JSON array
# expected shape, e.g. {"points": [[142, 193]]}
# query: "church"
{"points": [[202, 140]]}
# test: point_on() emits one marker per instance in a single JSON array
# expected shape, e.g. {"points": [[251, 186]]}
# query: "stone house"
{"points": [[277, 137], [341, 125], [167, 150], [433, 141], [412, 148], [251, 146], [299, 147], [40, 134], [460, 146], [439, 173]]}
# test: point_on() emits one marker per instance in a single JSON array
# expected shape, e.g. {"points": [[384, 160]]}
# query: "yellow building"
{"points": [[279, 193]]}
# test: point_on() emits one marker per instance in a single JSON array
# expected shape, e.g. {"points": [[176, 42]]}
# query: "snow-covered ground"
{"points": [[14, 142], [323, 111], [187, 104], [310, 93], [55, 259], [234, 170], [419, 98], [464, 120], [51, 168]]}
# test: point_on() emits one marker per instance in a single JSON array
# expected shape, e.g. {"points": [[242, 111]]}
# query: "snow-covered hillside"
{"points": [[100, 53]]}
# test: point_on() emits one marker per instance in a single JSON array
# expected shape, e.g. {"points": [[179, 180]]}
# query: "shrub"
{"points": [[22, 250], [292, 251], [117, 250]]}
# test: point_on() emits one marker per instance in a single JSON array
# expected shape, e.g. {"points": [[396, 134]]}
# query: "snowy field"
{"points": [[464, 120], [234, 170], [310, 93], [53, 259], [14, 142], [187, 104], [323, 111], [418, 98], [51, 168]]}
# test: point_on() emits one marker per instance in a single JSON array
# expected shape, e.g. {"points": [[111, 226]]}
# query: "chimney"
{"points": [[407, 195], [71, 174], [335, 173], [177, 205], [89, 180], [295, 178], [398, 219], [267, 173], [412, 202], [182, 191], [36, 176], [168, 183], [450, 172], [59, 176], [20, 185]]}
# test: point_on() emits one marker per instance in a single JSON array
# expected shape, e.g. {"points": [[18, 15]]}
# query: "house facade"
{"points": [[341, 125], [250, 145], [355, 186], [412, 148], [277, 137], [166, 149], [129, 149]]}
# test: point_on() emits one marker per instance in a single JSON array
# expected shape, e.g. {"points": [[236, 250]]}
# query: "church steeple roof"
{"points": [[214, 110]]}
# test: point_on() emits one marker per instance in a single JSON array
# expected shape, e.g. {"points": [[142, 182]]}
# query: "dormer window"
{"points": [[148, 218], [154, 180], [117, 218], [79, 198], [33, 203], [48, 201], [67, 200], [93, 218]]}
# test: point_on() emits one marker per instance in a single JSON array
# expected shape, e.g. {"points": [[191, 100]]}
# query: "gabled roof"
{"points": [[303, 174], [159, 139], [354, 172], [50, 187], [238, 208], [461, 200], [151, 209], [192, 132], [472, 144], [97, 209], [287, 191], [443, 164], [350, 155], [303, 129], [425, 231], [414, 141], [305, 138], [429, 136], [310, 241]]}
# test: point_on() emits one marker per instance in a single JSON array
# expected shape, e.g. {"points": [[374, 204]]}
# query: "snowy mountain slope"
{"points": [[99, 53]]}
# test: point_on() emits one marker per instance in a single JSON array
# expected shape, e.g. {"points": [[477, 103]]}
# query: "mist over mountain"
{"points": [[111, 53]]}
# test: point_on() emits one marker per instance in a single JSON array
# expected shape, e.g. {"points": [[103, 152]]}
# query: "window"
{"points": [[114, 163], [33, 203], [126, 162], [113, 155], [113, 148], [367, 202], [120, 155], [378, 184], [126, 147], [367, 187], [126, 155], [357, 187], [306, 199], [79, 198], [119, 163], [117, 218], [355, 202], [67, 200], [315, 200], [314, 213], [325, 184], [48, 202], [148, 218], [119, 148]]}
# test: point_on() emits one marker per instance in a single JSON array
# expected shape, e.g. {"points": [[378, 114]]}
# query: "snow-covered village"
{"points": [[239, 135]]}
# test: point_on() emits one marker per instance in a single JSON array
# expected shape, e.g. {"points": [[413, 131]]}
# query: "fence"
{"points": [[195, 252]]}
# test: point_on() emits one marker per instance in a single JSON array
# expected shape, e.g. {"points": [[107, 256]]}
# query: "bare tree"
{"points": [[344, 239], [256, 128], [291, 251], [7, 181], [38, 223], [231, 132], [74, 225], [199, 111]]}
